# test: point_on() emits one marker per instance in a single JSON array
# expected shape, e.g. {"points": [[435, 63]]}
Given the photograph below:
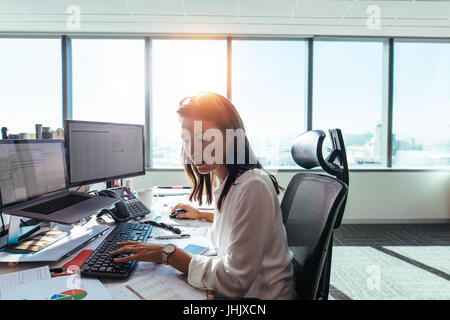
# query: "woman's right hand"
{"points": [[191, 212]]}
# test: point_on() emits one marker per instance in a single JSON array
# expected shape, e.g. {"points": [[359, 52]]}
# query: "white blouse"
{"points": [[253, 259]]}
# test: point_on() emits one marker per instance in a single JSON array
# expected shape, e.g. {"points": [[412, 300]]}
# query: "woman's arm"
{"points": [[232, 274], [180, 260], [148, 252], [192, 213], [205, 215]]}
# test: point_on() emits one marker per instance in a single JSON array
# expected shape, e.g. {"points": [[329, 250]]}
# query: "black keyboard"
{"points": [[137, 208], [100, 263], [57, 204]]}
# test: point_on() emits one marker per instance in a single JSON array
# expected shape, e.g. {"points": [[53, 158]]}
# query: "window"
{"points": [[348, 95], [30, 84], [108, 80], [268, 90], [181, 68], [421, 111]]}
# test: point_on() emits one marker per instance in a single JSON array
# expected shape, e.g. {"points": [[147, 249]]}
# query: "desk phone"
{"points": [[128, 207]]}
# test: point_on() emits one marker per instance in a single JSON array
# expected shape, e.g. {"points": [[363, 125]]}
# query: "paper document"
{"points": [[59, 288], [154, 282], [24, 277], [171, 192], [144, 288]]}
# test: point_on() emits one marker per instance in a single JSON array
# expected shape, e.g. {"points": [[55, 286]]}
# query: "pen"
{"points": [[55, 272], [173, 187], [179, 236], [58, 270]]}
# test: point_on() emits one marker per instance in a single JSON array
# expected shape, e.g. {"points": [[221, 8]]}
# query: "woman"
{"points": [[253, 259]]}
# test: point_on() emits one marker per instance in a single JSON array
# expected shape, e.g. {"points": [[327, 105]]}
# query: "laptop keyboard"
{"points": [[57, 204]]}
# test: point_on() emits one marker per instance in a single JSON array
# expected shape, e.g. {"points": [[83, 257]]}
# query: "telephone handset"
{"points": [[128, 207]]}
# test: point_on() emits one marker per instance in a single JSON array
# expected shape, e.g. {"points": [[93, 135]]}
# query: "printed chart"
{"points": [[74, 294]]}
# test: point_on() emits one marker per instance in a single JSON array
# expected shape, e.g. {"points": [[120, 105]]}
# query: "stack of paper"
{"points": [[37, 284]]}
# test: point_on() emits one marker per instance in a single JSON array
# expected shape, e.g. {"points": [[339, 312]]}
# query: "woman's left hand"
{"points": [[140, 251]]}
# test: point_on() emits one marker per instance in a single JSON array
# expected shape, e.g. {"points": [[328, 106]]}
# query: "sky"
{"points": [[30, 84]]}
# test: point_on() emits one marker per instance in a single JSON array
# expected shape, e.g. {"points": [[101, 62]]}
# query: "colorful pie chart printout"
{"points": [[59, 288], [74, 294]]}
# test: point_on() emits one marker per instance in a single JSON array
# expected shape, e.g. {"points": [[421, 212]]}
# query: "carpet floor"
{"points": [[394, 262]]}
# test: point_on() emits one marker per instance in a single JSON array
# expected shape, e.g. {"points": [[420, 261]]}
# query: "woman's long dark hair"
{"points": [[214, 107]]}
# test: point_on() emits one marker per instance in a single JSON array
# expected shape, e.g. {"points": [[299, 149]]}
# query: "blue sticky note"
{"points": [[195, 249]]}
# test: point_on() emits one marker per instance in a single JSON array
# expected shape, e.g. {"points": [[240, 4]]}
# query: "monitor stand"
{"points": [[16, 232]]}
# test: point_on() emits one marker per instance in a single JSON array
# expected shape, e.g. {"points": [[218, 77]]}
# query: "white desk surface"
{"points": [[160, 212]]}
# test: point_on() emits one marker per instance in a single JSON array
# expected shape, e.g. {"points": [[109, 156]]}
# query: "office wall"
{"points": [[375, 197]]}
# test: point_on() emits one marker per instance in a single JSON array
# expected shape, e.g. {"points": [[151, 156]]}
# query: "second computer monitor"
{"points": [[101, 151]]}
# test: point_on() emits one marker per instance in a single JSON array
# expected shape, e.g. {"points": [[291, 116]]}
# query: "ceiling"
{"points": [[418, 18]]}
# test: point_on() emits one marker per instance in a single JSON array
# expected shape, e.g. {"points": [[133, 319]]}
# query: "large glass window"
{"points": [[108, 80], [30, 84], [421, 111], [348, 95], [268, 90], [181, 68]]}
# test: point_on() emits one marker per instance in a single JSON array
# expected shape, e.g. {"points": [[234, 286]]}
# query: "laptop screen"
{"points": [[30, 168]]}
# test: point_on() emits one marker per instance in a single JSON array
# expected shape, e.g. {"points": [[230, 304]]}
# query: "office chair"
{"points": [[312, 207]]}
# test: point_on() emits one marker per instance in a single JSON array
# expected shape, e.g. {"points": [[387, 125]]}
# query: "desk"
{"points": [[166, 274]]}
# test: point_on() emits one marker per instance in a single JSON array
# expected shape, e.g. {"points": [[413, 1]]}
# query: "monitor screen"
{"points": [[30, 168], [99, 151]]}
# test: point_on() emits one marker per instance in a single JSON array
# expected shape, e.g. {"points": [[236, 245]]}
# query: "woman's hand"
{"points": [[140, 251], [191, 212]]}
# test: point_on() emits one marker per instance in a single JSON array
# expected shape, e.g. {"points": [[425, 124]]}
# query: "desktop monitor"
{"points": [[30, 169], [101, 151]]}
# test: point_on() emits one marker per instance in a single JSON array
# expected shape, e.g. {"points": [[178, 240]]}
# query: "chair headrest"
{"points": [[307, 149]]}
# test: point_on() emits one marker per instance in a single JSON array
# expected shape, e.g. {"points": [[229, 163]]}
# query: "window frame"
{"points": [[387, 91], [67, 67], [46, 36], [150, 108], [386, 98], [391, 109], [308, 78]]}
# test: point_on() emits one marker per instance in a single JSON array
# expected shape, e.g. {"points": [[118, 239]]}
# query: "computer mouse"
{"points": [[177, 212]]}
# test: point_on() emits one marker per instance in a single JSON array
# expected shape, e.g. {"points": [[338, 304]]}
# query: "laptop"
{"points": [[34, 183]]}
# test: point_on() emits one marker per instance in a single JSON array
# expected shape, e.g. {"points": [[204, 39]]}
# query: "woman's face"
{"points": [[195, 144]]}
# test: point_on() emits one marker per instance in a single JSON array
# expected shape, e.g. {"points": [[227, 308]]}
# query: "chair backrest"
{"points": [[307, 153], [310, 207]]}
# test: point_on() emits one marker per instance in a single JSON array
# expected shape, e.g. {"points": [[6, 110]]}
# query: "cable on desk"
{"points": [[3, 224], [164, 226]]}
